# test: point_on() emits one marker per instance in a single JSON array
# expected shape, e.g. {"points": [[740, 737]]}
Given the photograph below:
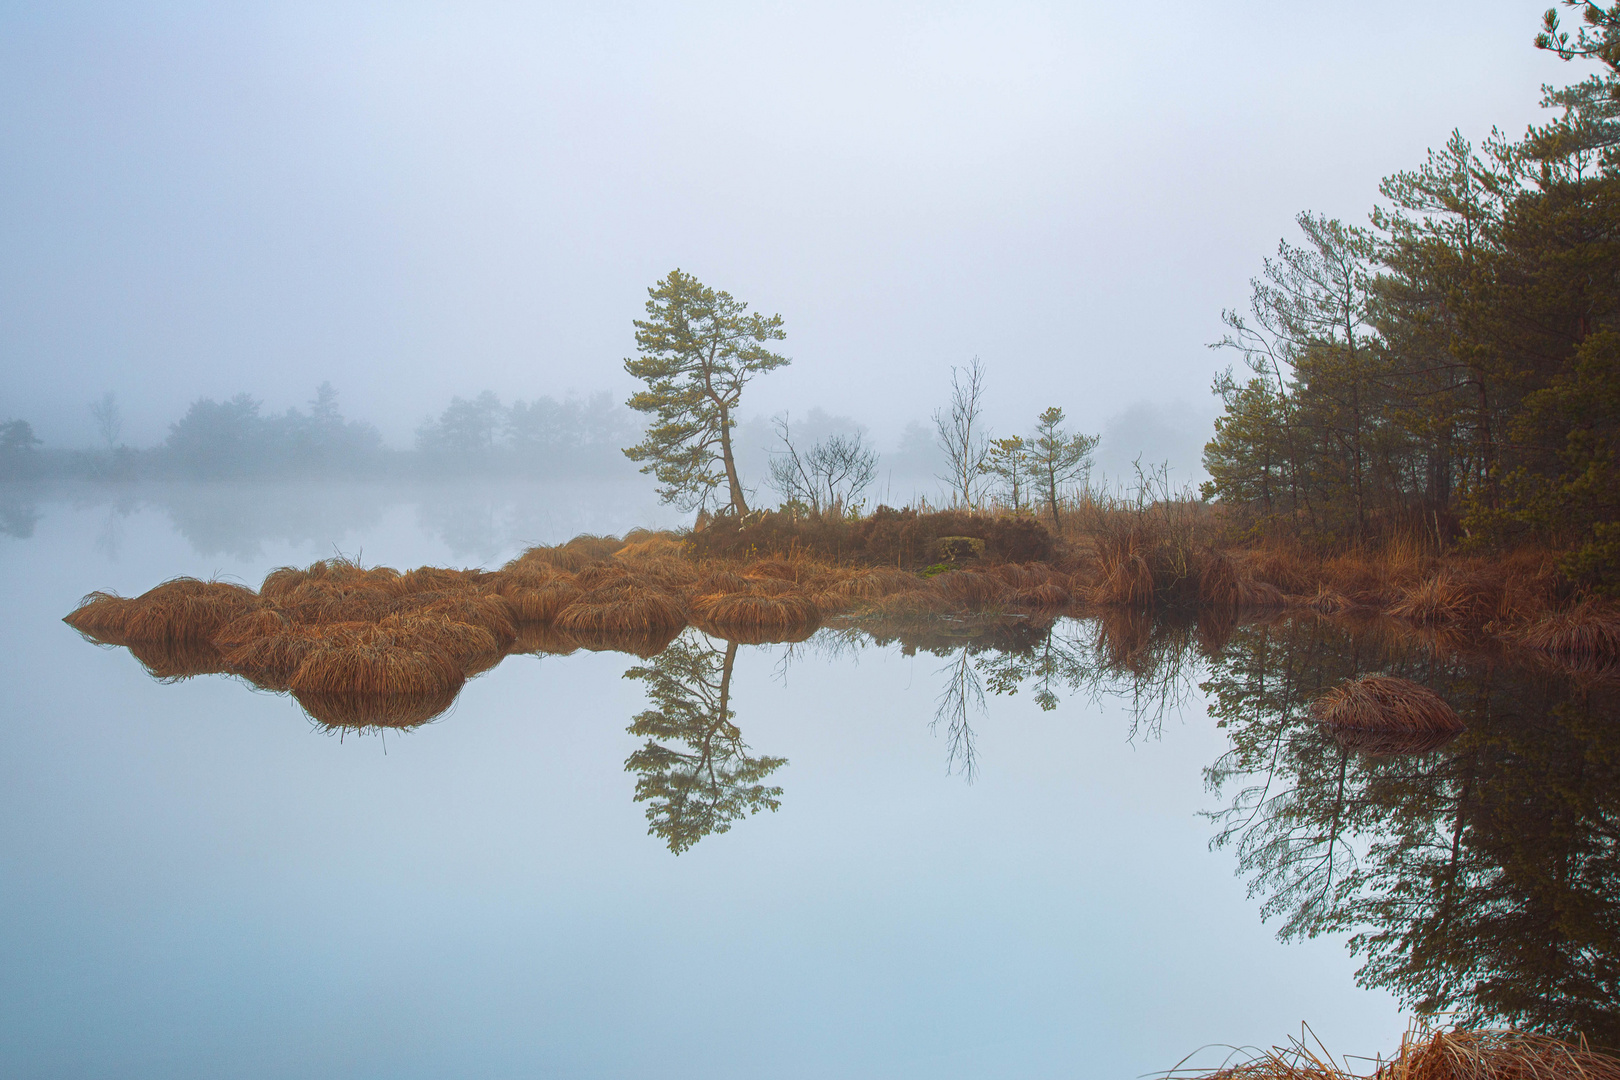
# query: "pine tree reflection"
{"points": [[1482, 879], [712, 782]]}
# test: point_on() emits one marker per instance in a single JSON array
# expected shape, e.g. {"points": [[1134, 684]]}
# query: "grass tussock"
{"points": [[373, 660], [541, 604], [352, 711], [102, 616], [756, 619], [1586, 634], [1380, 714], [540, 639], [624, 607], [1455, 1055], [186, 609], [177, 659]]}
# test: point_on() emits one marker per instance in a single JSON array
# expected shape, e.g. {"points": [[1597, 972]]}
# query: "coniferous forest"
{"points": [[1453, 367]]}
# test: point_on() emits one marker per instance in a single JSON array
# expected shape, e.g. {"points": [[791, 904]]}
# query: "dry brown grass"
{"points": [[718, 580], [1226, 580], [542, 604], [271, 661], [372, 660], [319, 601], [538, 638], [1423, 1055], [921, 604], [642, 643], [1019, 576], [246, 629], [971, 589], [781, 569], [351, 711], [1123, 574], [102, 617], [665, 571], [756, 619], [875, 584], [1381, 714], [186, 609], [174, 659], [484, 610], [1588, 633], [622, 608], [439, 579], [473, 648], [1047, 596]]}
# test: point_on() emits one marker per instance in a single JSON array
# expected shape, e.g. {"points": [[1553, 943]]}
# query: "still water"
{"points": [[1038, 852]]}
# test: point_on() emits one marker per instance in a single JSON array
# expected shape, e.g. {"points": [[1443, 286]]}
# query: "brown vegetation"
{"points": [[1454, 1055], [1379, 714], [776, 578]]}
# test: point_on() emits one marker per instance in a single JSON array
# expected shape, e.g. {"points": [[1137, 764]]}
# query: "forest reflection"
{"points": [[1480, 877]]}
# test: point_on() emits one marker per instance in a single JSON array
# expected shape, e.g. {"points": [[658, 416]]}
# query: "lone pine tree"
{"points": [[698, 349]]}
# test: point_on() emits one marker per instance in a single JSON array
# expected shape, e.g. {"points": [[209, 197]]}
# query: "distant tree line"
{"points": [[1455, 367], [236, 439]]}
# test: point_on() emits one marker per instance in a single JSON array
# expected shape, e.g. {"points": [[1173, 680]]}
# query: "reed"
{"points": [[1381, 714], [102, 617]]}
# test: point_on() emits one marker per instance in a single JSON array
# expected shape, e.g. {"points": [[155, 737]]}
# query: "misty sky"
{"points": [[419, 200]]}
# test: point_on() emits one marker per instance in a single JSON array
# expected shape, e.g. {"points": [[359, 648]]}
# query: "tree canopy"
{"points": [[1452, 367], [698, 349]]}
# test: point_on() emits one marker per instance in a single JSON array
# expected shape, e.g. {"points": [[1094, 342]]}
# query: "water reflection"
{"points": [[694, 772], [1480, 878]]}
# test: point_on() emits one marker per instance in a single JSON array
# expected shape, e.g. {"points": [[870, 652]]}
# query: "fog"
{"points": [[423, 202]]}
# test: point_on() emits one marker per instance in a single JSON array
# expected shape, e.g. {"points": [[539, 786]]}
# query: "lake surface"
{"points": [[198, 881]]}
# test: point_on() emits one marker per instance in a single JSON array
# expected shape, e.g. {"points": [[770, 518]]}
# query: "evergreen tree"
{"points": [[1057, 458], [698, 348]]}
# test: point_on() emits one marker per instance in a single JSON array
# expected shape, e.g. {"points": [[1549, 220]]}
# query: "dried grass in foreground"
{"points": [[1488, 1054]]}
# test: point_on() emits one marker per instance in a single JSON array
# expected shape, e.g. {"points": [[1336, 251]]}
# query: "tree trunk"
{"points": [[738, 504], [1051, 494]]}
